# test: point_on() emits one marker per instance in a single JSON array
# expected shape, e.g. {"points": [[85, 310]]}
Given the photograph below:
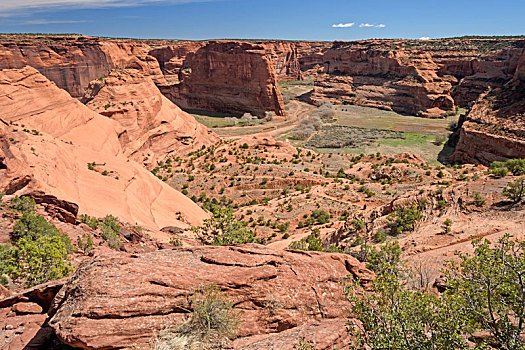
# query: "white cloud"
{"points": [[368, 25], [10, 6], [424, 38], [343, 25], [46, 21]]}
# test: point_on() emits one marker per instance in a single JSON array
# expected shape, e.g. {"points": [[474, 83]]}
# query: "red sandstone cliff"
{"points": [[153, 128], [73, 62], [232, 77], [428, 77], [494, 129], [47, 139]]}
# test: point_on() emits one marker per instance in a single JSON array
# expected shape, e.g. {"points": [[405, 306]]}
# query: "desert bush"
{"points": [[479, 201], [325, 111], [484, 293], [39, 252], [23, 204], [223, 228], [213, 320], [90, 221], [85, 243], [111, 231], [515, 190], [515, 166], [313, 242], [488, 286], [404, 220], [306, 128]]}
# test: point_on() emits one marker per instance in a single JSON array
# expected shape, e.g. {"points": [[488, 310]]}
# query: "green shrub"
{"points": [[479, 201], [515, 190], [23, 204], [404, 220], [39, 252], [223, 229], [90, 221], [320, 216], [111, 231], [85, 243]]}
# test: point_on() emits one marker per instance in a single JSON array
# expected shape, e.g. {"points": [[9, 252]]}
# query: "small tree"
{"points": [[489, 288], [223, 229], [447, 226], [515, 190]]}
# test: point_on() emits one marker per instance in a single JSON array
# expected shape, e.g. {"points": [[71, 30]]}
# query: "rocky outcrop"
{"points": [[231, 77], [426, 78], [152, 128], [494, 129], [23, 318], [58, 146], [73, 62], [171, 57], [120, 301]]}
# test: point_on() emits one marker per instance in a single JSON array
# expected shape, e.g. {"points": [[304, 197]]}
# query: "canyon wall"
{"points": [[427, 78], [494, 129], [230, 77], [52, 143], [73, 62]]}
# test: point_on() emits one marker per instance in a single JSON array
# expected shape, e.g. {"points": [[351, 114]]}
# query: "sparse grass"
{"points": [[212, 322]]}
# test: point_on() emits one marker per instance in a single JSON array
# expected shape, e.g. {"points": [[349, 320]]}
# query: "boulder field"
{"points": [[54, 144]]}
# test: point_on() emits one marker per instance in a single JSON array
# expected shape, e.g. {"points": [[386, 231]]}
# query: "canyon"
{"points": [[162, 140]]}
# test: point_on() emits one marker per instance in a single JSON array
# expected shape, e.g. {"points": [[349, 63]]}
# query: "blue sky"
{"points": [[266, 19]]}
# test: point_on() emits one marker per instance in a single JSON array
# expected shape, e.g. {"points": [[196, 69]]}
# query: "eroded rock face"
{"points": [[72, 62], [46, 145], [120, 300], [494, 129], [414, 77], [152, 127], [232, 77]]}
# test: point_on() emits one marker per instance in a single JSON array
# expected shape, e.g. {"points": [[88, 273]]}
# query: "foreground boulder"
{"points": [[119, 301]]}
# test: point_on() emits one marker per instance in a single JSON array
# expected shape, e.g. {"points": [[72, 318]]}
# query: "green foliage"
{"points": [[404, 219], [39, 252], [393, 317], [111, 231], [479, 201], [320, 216], [304, 345], [358, 225], [223, 229], [313, 242], [90, 221], [85, 243], [23, 204], [489, 286], [447, 226], [515, 166], [515, 190]]}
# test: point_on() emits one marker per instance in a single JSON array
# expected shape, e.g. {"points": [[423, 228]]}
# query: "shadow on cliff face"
{"points": [[450, 146]]}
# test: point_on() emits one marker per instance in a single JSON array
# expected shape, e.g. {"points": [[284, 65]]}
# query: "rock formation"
{"points": [[171, 57], [426, 78], [47, 140], [73, 62], [152, 127], [231, 77], [494, 128], [119, 300]]}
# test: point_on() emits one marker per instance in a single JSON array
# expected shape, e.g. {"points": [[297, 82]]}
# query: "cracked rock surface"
{"points": [[119, 300]]}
